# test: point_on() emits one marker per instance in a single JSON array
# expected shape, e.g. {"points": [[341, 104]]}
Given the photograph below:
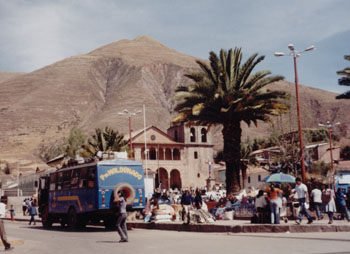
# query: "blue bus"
{"points": [[82, 194]]}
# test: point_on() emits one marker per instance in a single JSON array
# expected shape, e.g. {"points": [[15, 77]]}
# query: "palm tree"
{"points": [[226, 93], [107, 140], [246, 159], [345, 80]]}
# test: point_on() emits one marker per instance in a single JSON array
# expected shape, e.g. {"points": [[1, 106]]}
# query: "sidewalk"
{"points": [[244, 226], [239, 225]]}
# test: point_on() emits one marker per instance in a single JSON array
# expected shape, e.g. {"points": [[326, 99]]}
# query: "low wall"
{"points": [[17, 203]]}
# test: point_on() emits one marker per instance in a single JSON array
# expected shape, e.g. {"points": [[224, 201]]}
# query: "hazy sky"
{"points": [[40, 32]]}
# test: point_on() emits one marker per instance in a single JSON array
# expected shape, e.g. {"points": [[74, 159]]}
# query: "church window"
{"points": [[193, 135]]}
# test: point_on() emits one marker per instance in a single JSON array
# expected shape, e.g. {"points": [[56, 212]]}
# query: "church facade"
{"points": [[180, 158]]}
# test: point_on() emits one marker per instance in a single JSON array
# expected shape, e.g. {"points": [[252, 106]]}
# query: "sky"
{"points": [[36, 33]]}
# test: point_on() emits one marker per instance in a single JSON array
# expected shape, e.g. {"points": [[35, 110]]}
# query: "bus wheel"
{"points": [[81, 222], [110, 222], [72, 219], [46, 218]]}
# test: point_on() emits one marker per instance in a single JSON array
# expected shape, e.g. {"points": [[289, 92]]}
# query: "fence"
{"points": [[23, 186]]}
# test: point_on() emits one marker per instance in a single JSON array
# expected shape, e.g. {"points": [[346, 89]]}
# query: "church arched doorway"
{"points": [[162, 179], [175, 179]]}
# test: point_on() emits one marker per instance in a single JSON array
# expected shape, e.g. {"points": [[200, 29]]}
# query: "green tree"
{"points": [[317, 135], [344, 80], [321, 168], [74, 142], [258, 143], [345, 153], [49, 151], [106, 140], [226, 93], [289, 153]]}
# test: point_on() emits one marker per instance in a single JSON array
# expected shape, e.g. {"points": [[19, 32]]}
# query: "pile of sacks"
{"points": [[202, 215], [165, 213]]}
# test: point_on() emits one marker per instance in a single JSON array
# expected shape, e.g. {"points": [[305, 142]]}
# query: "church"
{"points": [[180, 158]]}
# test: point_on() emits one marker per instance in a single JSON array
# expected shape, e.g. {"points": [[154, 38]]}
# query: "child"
{"points": [[12, 213]]}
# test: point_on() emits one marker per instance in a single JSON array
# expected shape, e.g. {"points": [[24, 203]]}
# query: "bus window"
{"points": [[53, 181], [59, 180], [82, 178], [74, 179], [66, 179], [91, 177]]}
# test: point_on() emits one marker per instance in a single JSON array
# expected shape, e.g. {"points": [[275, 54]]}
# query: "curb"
{"points": [[261, 228], [214, 228], [23, 219]]}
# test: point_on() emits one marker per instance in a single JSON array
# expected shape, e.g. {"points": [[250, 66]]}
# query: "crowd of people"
{"points": [[29, 207], [196, 205], [271, 204], [187, 205]]}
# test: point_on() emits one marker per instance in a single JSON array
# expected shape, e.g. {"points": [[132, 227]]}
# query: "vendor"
{"points": [[275, 203], [260, 206]]}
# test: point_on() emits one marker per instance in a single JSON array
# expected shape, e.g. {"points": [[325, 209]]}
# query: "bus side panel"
{"points": [[110, 176], [83, 200]]}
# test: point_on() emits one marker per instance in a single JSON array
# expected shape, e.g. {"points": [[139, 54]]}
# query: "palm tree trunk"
{"points": [[232, 155]]}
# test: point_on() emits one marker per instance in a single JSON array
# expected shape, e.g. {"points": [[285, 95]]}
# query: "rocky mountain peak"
{"points": [[144, 50]]}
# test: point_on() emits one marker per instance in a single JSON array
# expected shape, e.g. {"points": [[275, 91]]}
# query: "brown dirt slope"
{"points": [[6, 75]]}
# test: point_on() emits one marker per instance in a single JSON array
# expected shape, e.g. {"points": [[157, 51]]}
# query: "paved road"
{"points": [[34, 239]]}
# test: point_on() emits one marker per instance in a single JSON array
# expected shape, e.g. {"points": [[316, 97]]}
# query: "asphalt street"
{"points": [[34, 239]]}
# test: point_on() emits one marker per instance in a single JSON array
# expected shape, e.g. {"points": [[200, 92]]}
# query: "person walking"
{"points": [[328, 197], [275, 203], [32, 211], [301, 191], [198, 200], [2, 228], [316, 195], [187, 203], [121, 221], [340, 201]]}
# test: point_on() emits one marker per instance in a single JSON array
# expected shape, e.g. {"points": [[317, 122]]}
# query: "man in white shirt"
{"points": [[316, 195], [2, 228], [301, 190]]}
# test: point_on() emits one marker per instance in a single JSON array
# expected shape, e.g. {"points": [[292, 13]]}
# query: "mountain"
{"points": [[6, 75], [88, 91]]}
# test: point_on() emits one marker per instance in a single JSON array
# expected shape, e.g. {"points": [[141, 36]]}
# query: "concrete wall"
{"points": [[17, 204]]}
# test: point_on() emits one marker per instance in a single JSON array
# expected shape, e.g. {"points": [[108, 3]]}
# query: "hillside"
{"points": [[6, 75], [89, 90]]}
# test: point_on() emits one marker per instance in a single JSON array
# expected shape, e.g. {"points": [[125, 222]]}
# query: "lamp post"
{"points": [[145, 138], [329, 126], [296, 54], [130, 114]]}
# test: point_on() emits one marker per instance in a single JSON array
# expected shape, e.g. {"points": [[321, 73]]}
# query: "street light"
{"points": [[130, 114], [296, 54], [329, 126]]}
